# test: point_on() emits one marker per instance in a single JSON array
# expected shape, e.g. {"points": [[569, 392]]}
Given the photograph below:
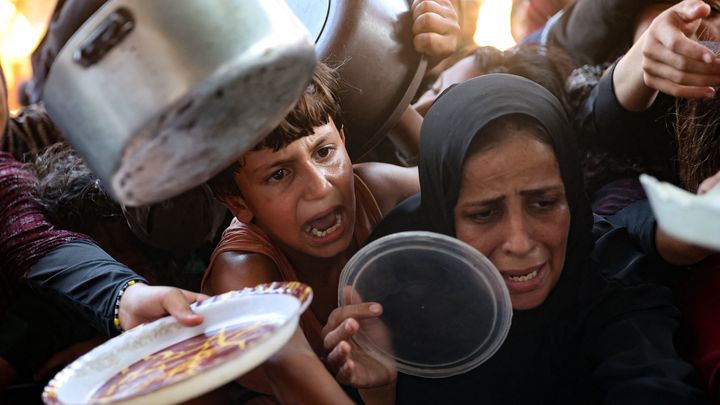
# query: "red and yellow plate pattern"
{"points": [[190, 357]]}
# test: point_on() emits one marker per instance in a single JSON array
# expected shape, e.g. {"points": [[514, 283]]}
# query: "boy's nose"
{"points": [[318, 184]]}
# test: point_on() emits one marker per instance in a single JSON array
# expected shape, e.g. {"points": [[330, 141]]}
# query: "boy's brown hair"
{"points": [[316, 106]]}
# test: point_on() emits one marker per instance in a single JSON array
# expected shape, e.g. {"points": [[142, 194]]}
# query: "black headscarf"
{"points": [[573, 348], [454, 121]]}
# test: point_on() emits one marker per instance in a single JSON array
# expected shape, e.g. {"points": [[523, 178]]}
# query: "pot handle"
{"points": [[108, 33]]}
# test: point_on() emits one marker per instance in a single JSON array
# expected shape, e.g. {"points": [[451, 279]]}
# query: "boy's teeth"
{"points": [[321, 233], [526, 277]]}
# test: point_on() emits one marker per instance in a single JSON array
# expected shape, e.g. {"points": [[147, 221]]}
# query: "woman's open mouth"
{"points": [[526, 280]]}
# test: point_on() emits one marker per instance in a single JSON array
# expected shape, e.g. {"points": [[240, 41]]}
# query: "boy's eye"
{"points": [[324, 151], [278, 175]]}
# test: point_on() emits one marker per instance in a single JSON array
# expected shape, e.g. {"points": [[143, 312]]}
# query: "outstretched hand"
{"points": [[142, 303], [667, 58], [673, 61], [436, 29]]}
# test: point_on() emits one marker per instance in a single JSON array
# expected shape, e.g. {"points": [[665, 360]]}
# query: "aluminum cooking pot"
{"points": [[372, 43], [160, 95]]}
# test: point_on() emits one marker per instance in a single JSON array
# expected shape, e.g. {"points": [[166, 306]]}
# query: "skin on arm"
{"points": [[678, 252], [405, 135], [666, 58], [389, 184], [294, 374]]}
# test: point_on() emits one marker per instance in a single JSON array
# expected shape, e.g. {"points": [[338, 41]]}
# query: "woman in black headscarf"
{"points": [[498, 170]]}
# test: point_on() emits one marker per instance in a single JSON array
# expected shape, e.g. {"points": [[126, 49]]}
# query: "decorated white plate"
{"points": [[163, 362], [686, 216]]}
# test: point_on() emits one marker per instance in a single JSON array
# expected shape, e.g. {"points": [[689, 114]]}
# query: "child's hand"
{"points": [[436, 29], [673, 62], [352, 365]]}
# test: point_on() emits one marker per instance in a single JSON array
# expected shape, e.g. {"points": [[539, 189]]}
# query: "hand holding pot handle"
{"points": [[436, 29]]}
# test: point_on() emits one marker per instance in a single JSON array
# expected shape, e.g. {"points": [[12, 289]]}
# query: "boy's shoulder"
{"points": [[388, 183], [234, 270]]}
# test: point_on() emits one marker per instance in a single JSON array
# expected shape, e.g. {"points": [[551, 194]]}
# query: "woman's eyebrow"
{"points": [[541, 190], [484, 202]]}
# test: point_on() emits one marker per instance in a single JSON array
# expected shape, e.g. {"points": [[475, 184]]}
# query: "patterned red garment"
{"points": [[25, 233], [699, 300]]}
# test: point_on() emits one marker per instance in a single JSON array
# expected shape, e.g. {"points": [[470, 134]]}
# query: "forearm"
{"points": [[677, 252], [630, 89], [406, 135], [297, 376]]}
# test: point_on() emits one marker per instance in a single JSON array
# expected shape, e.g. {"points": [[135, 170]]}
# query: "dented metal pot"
{"points": [[160, 95]]}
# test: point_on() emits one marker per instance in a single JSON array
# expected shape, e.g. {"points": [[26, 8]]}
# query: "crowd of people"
{"points": [[530, 155]]}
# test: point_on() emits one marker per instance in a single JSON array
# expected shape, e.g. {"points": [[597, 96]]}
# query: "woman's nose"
{"points": [[518, 239]]}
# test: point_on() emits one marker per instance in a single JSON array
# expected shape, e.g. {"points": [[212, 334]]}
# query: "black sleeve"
{"points": [[640, 223], [81, 274], [604, 123], [631, 342]]}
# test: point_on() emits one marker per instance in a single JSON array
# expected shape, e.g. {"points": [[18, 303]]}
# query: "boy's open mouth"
{"points": [[324, 225]]}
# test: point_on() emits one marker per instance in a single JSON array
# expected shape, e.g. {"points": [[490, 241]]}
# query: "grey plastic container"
{"points": [[446, 308]]}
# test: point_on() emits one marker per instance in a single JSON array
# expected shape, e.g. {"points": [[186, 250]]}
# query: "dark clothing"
{"points": [[643, 139], [607, 340], [699, 300], [603, 334], [597, 31], [616, 195], [34, 328], [81, 274], [25, 233]]}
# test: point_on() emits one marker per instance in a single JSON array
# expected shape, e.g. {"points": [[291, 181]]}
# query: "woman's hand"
{"points": [[142, 303], [672, 60], [436, 29]]}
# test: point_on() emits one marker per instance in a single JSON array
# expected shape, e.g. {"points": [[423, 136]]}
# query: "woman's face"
{"points": [[512, 208]]}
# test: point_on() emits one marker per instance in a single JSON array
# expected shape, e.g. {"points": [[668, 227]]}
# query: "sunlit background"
{"points": [[493, 26], [23, 23]]}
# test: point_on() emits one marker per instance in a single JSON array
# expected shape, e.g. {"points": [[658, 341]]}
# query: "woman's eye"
{"points": [[324, 152], [278, 175], [482, 216], [545, 204]]}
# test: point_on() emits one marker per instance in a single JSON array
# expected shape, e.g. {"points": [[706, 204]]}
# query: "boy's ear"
{"points": [[238, 207]]}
